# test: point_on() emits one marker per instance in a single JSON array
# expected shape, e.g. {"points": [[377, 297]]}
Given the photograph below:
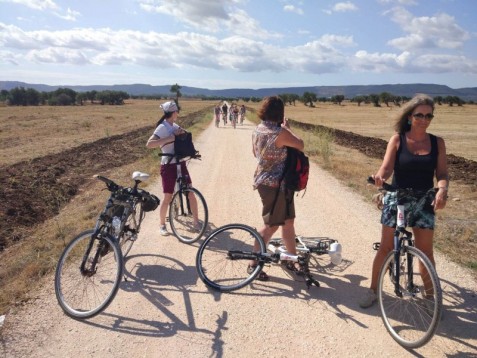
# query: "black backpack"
{"points": [[183, 146]]}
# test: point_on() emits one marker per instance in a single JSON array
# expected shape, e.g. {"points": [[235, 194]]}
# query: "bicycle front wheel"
{"points": [[413, 316], [131, 229], [88, 275], [185, 203], [223, 258]]}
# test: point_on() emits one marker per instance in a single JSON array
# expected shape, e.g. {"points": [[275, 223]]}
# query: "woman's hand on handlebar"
{"points": [[378, 180]]}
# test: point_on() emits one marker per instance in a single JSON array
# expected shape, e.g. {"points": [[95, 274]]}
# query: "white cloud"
{"points": [[35, 4], [70, 15], [292, 8], [47, 6], [439, 31], [344, 6]]}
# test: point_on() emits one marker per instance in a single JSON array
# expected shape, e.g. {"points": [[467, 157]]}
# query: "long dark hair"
{"points": [[164, 117]]}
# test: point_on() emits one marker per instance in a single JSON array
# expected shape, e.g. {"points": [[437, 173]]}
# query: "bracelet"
{"points": [[443, 187]]}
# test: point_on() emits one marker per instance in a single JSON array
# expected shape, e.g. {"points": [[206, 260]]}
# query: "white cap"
{"points": [[169, 107]]}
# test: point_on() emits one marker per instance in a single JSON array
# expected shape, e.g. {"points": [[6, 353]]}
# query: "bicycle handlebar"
{"points": [[195, 156], [112, 186], [386, 186]]}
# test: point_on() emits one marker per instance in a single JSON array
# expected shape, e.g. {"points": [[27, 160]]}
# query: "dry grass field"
{"points": [[33, 132], [457, 125]]}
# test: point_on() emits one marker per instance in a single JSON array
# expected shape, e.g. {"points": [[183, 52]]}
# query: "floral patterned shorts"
{"points": [[418, 209]]}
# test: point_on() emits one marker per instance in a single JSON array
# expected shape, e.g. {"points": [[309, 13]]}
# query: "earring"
{"points": [[409, 121]]}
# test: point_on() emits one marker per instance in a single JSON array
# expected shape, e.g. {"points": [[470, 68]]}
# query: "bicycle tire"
{"points": [[413, 318], [181, 218], [214, 265], [84, 296], [131, 229]]}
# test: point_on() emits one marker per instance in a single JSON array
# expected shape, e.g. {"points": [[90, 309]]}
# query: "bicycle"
{"points": [[181, 215], [223, 258], [89, 270], [409, 291]]}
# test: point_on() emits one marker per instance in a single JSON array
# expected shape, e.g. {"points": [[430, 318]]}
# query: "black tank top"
{"points": [[415, 171]]}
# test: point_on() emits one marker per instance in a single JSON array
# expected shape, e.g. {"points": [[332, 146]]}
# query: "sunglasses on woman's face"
{"points": [[427, 116]]}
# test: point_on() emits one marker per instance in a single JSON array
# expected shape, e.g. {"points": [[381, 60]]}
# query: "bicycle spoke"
{"points": [[83, 295], [222, 271], [413, 318], [184, 225]]}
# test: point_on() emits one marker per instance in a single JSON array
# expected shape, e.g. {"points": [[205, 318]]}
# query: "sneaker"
{"points": [[163, 230], [368, 299]]}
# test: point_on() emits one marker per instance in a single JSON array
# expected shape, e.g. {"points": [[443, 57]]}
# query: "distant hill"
{"points": [[408, 90]]}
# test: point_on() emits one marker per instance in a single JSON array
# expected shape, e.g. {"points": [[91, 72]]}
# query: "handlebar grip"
{"points": [[112, 186], [386, 186]]}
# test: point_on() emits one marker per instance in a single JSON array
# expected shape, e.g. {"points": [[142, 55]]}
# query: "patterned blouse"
{"points": [[270, 159]]}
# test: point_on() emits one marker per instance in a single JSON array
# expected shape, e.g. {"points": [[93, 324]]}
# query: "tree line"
{"points": [[20, 96], [377, 100]]}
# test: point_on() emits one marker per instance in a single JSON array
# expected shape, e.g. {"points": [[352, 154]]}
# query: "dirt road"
{"points": [[165, 310]]}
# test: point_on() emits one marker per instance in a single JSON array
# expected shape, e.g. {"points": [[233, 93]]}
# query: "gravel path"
{"points": [[165, 310]]}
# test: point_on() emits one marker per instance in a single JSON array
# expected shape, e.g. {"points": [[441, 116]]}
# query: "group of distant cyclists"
{"points": [[233, 114]]}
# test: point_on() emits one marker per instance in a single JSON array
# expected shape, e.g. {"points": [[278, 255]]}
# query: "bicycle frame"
{"points": [[181, 184], [105, 223]]}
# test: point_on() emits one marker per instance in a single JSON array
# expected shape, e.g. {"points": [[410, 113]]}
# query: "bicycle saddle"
{"points": [[140, 176]]}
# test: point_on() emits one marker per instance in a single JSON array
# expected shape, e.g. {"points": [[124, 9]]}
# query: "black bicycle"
{"points": [[409, 291], [90, 268], [223, 258], [188, 212]]}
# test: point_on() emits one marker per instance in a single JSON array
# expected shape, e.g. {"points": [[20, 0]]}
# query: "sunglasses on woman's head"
{"points": [[427, 116]]}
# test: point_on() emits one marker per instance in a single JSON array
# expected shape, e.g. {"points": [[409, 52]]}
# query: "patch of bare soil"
{"points": [[33, 191]]}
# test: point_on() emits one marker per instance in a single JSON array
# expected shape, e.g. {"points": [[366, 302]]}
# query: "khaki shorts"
{"points": [[284, 206]]}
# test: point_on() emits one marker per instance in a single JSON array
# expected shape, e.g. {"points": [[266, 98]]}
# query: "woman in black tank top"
{"points": [[414, 158]]}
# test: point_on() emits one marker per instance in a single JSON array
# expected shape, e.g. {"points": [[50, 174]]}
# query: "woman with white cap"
{"points": [[163, 137]]}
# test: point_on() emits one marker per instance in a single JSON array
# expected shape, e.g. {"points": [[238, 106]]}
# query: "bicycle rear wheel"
{"points": [[85, 293], [413, 318], [181, 218], [131, 229], [224, 256]]}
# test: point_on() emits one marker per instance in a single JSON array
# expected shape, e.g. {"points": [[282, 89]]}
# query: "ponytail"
{"points": [[165, 116]]}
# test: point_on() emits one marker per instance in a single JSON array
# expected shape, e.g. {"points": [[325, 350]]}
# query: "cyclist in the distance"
{"points": [[163, 138], [414, 157], [224, 113], [217, 112]]}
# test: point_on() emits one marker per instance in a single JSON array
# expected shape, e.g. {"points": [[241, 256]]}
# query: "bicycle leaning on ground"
{"points": [[409, 291], [89, 271], [224, 256], [182, 210]]}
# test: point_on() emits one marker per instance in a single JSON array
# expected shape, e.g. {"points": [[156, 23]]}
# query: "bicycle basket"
{"points": [[150, 202]]}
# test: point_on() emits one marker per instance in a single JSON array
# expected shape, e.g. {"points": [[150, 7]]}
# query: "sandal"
{"points": [[297, 271], [262, 276]]}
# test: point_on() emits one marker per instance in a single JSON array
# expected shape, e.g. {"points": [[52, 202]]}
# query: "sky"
{"points": [[220, 44]]}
